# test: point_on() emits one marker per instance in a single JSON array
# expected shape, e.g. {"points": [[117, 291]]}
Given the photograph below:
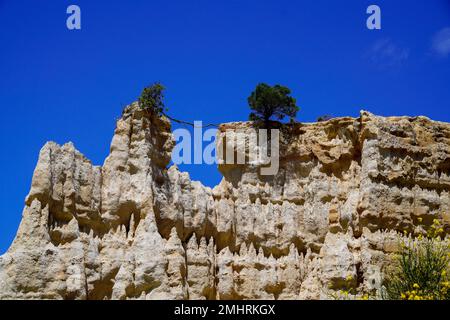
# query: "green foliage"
{"points": [[420, 269], [268, 102], [324, 118], [152, 98], [349, 291]]}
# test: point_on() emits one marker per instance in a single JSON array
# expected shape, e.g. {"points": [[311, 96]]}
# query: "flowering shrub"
{"points": [[420, 270]]}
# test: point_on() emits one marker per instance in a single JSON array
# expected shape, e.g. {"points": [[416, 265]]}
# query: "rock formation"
{"points": [[135, 229]]}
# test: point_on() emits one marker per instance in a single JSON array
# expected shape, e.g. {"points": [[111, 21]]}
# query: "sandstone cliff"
{"points": [[133, 229]]}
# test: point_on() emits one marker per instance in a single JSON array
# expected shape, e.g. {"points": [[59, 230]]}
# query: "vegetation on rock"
{"points": [[267, 102], [420, 270], [324, 118], [152, 98]]}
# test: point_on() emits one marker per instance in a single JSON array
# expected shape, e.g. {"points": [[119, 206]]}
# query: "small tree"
{"points": [[268, 102], [152, 98], [324, 118]]}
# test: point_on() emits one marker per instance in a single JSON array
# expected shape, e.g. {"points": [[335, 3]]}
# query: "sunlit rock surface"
{"points": [[136, 229]]}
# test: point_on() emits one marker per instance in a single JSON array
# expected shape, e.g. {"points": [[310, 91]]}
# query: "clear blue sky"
{"points": [[63, 85]]}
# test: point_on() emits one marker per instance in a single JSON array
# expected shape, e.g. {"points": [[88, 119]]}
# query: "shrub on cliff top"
{"points": [[324, 118], [152, 98], [268, 102]]}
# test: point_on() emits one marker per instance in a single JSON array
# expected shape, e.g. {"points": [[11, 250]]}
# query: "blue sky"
{"points": [[62, 85]]}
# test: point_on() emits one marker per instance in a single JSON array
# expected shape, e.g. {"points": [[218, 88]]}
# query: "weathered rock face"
{"points": [[133, 229]]}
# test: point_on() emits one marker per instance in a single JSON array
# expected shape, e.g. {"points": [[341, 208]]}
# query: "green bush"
{"points": [[152, 98], [324, 118], [268, 102], [420, 269]]}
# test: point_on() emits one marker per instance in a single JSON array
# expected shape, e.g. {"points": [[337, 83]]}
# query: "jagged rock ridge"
{"points": [[133, 229]]}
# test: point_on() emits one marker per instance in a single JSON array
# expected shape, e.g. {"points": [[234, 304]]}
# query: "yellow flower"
{"points": [[349, 278], [443, 273], [419, 219], [416, 286]]}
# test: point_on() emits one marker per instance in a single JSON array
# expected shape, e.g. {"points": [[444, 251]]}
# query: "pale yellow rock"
{"points": [[136, 229]]}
